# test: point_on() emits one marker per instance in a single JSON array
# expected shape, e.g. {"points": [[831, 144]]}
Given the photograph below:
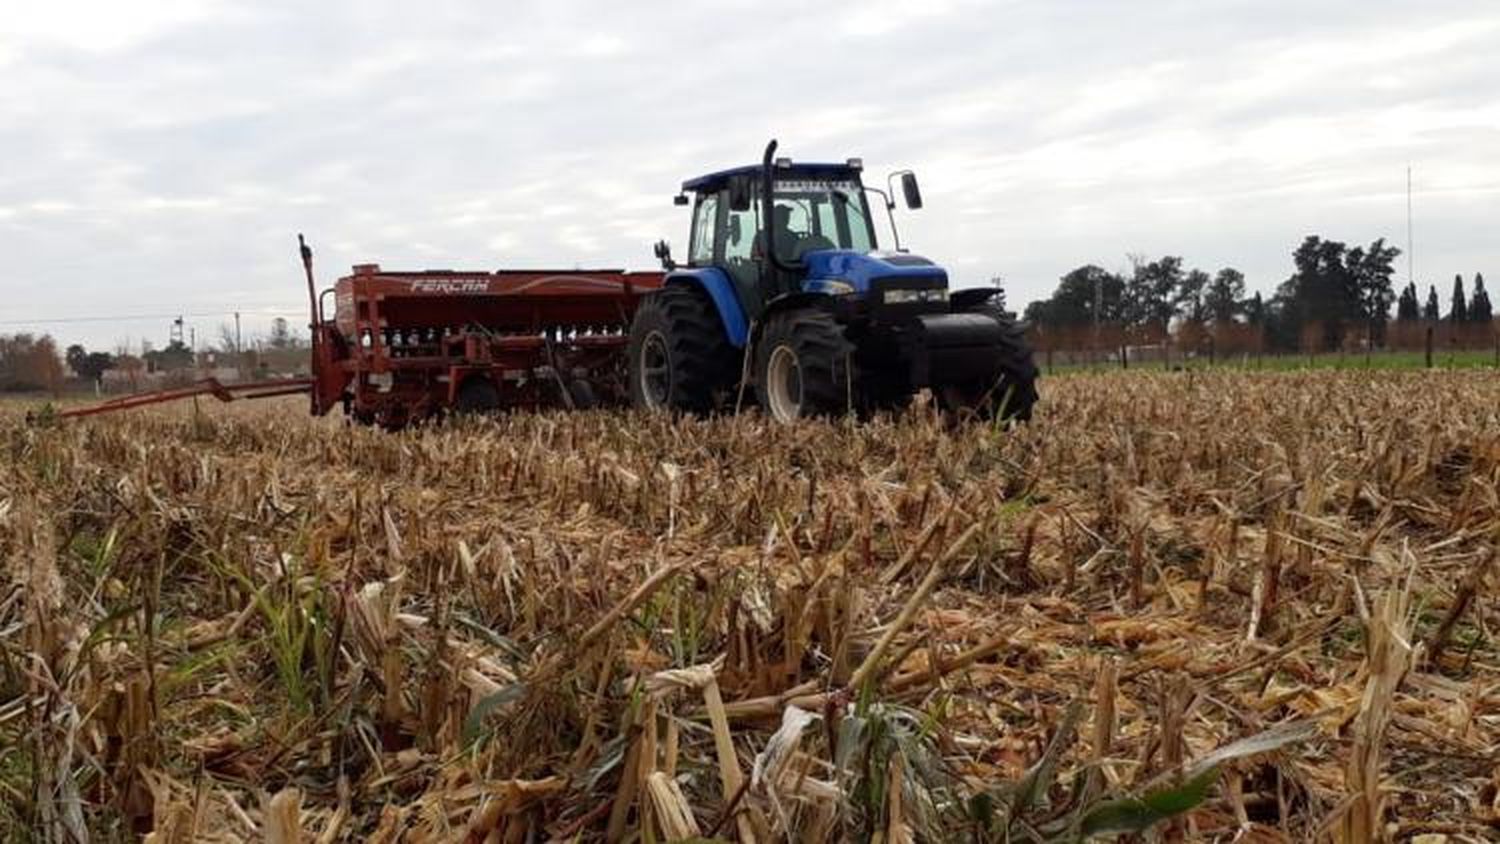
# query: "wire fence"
{"points": [[1405, 343]]}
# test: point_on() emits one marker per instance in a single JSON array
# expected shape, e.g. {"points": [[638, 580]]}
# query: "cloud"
{"points": [[163, 155]]}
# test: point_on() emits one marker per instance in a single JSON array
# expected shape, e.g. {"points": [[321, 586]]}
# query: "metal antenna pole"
{"points": [[1410, 250]]}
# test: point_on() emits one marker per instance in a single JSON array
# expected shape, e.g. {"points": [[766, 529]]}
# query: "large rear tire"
{"points": [[804, 366], [1011, 393], [680, 360]]}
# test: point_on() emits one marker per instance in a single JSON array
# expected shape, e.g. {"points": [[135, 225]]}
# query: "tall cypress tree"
{"points": [[1479, 302], [1408, 309], [1458, 306], [1430, 312], [1255, 309]]}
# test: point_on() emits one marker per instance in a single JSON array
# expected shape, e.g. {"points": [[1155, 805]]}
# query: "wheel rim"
{"points": [[656, 370], [784, 384]]}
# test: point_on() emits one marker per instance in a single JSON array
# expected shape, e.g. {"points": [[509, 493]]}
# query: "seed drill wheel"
{"points": [[680, 360], [803, 366], [1011, 392], [477, 395], [581, 392]]}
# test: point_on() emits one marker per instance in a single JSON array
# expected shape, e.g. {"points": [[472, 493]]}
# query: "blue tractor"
{"points": [[785, 290]]}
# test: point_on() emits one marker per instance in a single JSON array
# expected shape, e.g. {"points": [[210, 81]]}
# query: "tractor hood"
{"points": [[860, 269]]}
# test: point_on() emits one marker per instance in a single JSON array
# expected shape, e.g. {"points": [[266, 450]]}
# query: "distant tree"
{"points": [[1224, 295], [1430, 310], [133, 367], [176, 356], [281, 335], [1458, 306], [1321, 292], [1408, 308], [1189, 301], [1152, 291], [1072, 303], [90, 366], [29, 362], [1479, 302], [228, 341], [1255, 310], [1371, 269]]}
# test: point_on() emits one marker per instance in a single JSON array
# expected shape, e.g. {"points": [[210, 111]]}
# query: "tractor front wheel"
{"points": [[804, 366], [1010, 393], [680, 359]]}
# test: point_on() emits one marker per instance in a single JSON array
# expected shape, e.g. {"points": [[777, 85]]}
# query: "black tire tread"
{"points": [[1016, 388], [701, 359], [824, 355]]}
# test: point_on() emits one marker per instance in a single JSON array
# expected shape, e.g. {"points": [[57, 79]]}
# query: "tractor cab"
{"points": [[818, 236], [786, 290]]}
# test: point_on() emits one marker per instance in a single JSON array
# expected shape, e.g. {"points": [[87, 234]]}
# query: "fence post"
{"points": [[1124, 357], [1428, 346]]}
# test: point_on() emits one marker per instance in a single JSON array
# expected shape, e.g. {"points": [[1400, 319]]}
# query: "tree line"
{"points": [[32, 363], [1336, 297]]}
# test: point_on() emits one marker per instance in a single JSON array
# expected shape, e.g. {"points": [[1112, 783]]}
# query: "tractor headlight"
{"points": [[907, 296]]}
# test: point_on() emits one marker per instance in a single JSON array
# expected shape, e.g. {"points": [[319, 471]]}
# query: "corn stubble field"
{"points": [[1219, 605]]}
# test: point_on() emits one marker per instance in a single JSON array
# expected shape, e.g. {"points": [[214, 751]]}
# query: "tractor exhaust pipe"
{"points": [[768, 208]]}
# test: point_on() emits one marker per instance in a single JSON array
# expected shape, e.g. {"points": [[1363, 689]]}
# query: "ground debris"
{"points": [[1267, 597]]}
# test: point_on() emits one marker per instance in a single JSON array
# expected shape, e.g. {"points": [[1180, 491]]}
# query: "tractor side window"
{"points": [[828, 225], [701, 251], [739, 233], [793, 221], [851, 212]]}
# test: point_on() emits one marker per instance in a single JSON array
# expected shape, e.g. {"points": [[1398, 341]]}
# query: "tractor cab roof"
{"points": [[796, 170]]}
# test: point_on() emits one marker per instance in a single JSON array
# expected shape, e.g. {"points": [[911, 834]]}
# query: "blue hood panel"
{"points": [[859, 269]]}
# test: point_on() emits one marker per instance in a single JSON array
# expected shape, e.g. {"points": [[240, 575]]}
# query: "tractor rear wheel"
{"points": [[1010, 393], [680, 359], [804, 366]]}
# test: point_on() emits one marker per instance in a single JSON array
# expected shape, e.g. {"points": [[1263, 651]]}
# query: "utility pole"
{"points": [[1410, 249], [1098, 306]]}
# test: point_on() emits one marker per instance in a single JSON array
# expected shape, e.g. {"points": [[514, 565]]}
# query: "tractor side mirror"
{"points": [[663, 252], [739, 195], [910, 190], [680, 199]]}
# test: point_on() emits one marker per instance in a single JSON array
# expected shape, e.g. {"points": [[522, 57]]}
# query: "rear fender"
{"points": [[715, 282]]}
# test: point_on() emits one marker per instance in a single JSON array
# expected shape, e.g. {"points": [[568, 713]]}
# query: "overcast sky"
{"points": [[159, 157]]}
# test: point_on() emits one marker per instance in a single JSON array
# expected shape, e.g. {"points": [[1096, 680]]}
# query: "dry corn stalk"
{"points": [[583, 562], [1386, 663]]}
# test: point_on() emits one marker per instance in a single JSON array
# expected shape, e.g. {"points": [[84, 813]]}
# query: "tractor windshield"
{"points": [[813, 214]]}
